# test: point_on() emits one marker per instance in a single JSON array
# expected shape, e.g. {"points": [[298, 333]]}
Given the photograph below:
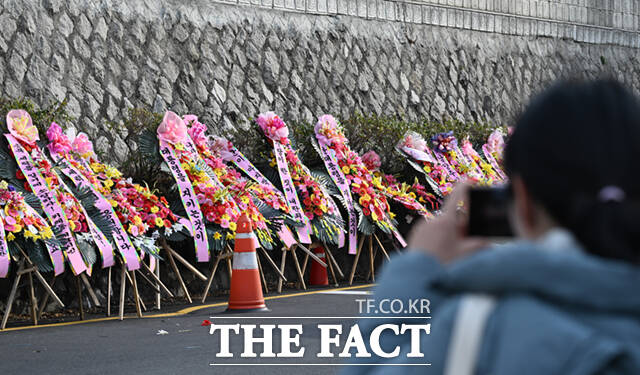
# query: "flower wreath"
{"points": [[449, 155], [493, 151], [308, 200], [415, 149], [75, 230], [370, 191], [490, 175], [244, 193], [137, 214], [211, 209]]}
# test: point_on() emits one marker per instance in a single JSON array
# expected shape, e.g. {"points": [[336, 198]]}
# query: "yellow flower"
{"points": [[178, 146], [137, 220], [108, 183], [364, 199], [346, 169], [10, 237], [47, 233], [112, 172], [245, 199], [113, 203], [97, 167], [412, 195], [217, 236], [154, 209], [392, 215], [233, 226], [72, 225], [231, 236], [4, 185], [225, 217], [28, 234], [159, 222]]}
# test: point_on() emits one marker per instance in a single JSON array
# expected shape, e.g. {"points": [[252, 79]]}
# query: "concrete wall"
{"points": [[472, 59]]}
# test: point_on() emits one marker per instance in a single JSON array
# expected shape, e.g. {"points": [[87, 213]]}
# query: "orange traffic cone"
{"points": [[318, 274], [246, 291]]}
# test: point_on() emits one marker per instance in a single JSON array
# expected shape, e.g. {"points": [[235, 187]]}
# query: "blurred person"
{"points": [[564, 296]]}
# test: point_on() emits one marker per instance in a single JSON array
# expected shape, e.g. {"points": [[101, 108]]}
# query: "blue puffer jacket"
{"points": [[558, 311]]}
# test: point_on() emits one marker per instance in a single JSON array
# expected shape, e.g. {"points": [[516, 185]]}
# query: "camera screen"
{"points": [[488, 212]]}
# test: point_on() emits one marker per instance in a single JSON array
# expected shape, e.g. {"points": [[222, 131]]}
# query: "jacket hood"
{"points": [[564, 275]]}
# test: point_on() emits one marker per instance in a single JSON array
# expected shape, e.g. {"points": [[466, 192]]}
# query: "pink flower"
{"points": [[371, 160], [224, 223], [197, 131], [190, 119], [328, 132], [272, 126], [496, 141], [9, 220], [467, 147], [221, 146], [58, 142], [82, 145], [21, 126], [415, 141], [172, 129]]}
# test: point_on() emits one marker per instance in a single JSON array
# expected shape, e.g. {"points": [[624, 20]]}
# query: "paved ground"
{"points": [[134, 345]]}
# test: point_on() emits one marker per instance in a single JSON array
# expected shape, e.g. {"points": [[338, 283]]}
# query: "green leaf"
{"points": [[38, 255], [88, 251]]}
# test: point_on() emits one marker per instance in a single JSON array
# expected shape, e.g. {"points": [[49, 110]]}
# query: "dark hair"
{"points": [[571, 142]]}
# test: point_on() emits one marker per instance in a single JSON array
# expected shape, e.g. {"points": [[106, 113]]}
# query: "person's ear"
{"points": [[525, 208]]}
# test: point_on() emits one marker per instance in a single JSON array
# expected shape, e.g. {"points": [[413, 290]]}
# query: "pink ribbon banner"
{"points": [[4, 252], [241, 161], [331, 162], [189, 200], [120, 237], [291, 194], [447, 166], [50, 204], [286, 236], [494, 163]]}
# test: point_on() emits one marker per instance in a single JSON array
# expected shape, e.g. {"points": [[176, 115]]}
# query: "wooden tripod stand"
{"points": [[372, 256], [29, 271], [299, 270], [227, 255]]}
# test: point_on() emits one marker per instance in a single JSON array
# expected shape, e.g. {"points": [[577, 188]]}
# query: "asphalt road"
{"points": [[135, 345]]}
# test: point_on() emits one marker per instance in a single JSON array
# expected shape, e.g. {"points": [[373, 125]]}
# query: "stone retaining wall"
{"points": [[470, 60]]}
